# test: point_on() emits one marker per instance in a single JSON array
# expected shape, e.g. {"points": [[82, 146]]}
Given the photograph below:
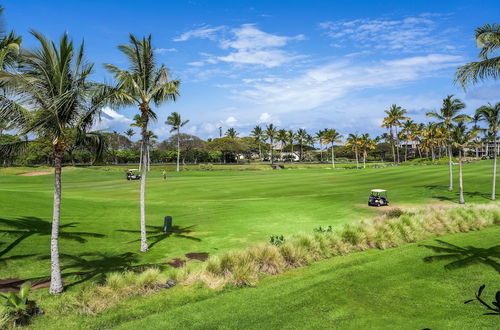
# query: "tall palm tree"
{"points": [[270, 133], [461, 137], [301, 136], [488, 39], [475, 119], [408, 129], [232, 133], [291, 141], [394, 116], [175, 121], [366, 144], [491, 115], [53, 83], [447, 115], [331, 136], [282, 137], [258, 134], [142, 83], [354, 141]]}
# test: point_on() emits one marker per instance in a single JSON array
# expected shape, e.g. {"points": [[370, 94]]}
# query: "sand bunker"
{"points": [[36, 173]]}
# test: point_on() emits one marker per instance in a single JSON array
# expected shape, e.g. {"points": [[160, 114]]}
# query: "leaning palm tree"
{"points": [[270, 133], [488, 39], [142, 83], [232, 133], [331, 136], [461, 138], [491, 115], [53, 99], [282, 137], [258, 134], [447, 115], [319, 137], [353, 141], [175, 120], [394, 116]]}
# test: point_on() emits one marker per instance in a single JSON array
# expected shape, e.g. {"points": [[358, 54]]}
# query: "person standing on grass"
{"points": [[164, 175]]}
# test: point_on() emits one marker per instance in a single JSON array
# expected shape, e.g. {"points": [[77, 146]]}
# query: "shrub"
{"points": [[277, 240], [17, 308]]}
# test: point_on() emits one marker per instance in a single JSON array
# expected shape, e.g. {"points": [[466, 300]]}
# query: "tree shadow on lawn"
{"points": [[25, 227], [484, 195], [95, 265], [155, 234], [464, 256]]}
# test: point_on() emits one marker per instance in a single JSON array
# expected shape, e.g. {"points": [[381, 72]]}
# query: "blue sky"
{"points": [[297, 64]]}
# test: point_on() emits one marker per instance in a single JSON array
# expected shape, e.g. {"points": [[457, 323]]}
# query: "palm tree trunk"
{"points": [[260, 152], [397, 145], [144, 242], [357, 160], [450, 163], [293, 155], [433, 155], [493, 190], [301, 151], [364, 159], [56, 286], [333, 158], [271, 150], [149, 159], [460, 182], [140, 159], [178, 148], [406, 151]]}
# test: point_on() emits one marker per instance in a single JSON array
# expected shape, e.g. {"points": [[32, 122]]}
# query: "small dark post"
{"points": [[167, 224]]}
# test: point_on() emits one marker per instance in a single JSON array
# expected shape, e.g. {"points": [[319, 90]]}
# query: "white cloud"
{"points": [[322, 84], [110, 119], [164, 50], [247, 45], [250, 45], [267, 118], [403, 35], [204, 32], [231, 121]]}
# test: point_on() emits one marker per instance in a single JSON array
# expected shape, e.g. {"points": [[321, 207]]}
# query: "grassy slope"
{"points": [[222, 210], [374, 289]]}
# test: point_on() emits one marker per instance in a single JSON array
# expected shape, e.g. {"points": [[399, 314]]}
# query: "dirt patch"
{"points": [[201, 256], [177, 263], [36, 173], [14, 284]]}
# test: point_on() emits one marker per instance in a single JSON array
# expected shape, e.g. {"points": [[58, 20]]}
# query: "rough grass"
{"points": [[244, 267]]}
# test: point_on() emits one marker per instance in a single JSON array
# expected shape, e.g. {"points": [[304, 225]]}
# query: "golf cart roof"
{"points": [[379, 190], [134, 169]]}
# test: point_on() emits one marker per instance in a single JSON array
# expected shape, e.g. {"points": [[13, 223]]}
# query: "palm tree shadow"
{"points": [[156, 234], [464, 256], [437, 188], [95, 265], [25, 227]]}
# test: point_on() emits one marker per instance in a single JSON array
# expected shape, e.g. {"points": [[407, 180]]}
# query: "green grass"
{"points": [[373, 289], [213, 211]]}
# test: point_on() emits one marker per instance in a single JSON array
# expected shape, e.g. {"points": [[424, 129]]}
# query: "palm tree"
{"points": [[290, 141], [140, 84], [447, 115], [331, 136], [231, 133], [491, 115], [408, 129], [461, 138], [53, 82], [175, 120], [282, 137], [10, 45], [301, 136], [258, 135], [270, 133], [488, 38], [366, 144], [129, 133], [354, 141], [394, 116], [319, 137], [475, 119]]}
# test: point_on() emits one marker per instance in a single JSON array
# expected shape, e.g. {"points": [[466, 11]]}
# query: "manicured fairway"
{"points": [[212, 211]]}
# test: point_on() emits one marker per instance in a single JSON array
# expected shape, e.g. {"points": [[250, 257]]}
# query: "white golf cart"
{"points": [[378, 197], [133, 174]]}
